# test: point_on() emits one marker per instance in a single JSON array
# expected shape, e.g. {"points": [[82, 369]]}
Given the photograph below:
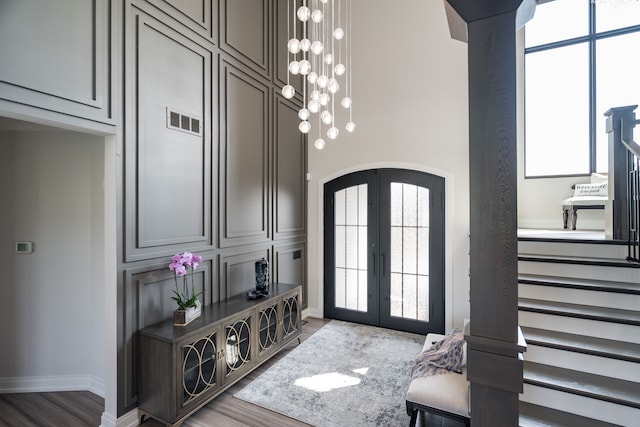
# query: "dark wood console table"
{"points": [[182, 368]]}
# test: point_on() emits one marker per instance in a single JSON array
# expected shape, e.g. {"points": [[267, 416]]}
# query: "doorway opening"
{"points": [[384, 249], [56, 201]]}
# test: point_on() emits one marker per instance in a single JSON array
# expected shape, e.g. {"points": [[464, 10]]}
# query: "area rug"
{"points": [[343, 375]]}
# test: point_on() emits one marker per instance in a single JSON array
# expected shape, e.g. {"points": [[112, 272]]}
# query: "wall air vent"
{"points": [[183, 122]]}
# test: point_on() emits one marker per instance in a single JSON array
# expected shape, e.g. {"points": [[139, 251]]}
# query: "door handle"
{"points": [[383, 263], [373, 263]]}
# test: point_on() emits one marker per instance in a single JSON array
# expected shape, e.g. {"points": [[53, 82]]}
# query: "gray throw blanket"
{"points": [[443, 356]]}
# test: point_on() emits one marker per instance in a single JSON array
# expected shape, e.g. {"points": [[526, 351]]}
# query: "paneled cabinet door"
{"points": [[200, 370]]}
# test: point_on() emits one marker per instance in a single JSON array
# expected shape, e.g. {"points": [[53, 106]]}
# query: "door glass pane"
{"points": [[351, 248], [409, 251]]}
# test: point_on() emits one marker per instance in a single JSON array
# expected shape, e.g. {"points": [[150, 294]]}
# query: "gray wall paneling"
{"points": [[245, 32], [290, 186], [199, 16], [234, 191], [290, 265], [284, 22], [244, 157], [147, 300], [169, 171], [237, 270], [59, 56]]}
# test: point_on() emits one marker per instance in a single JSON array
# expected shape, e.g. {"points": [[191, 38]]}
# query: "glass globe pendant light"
{"points": [[294, 46], [316, 16], [304, 13], [288, 91], [332, 132], [304, 114], [321, 55], [326, 117], [294, 67], [304, 126]]}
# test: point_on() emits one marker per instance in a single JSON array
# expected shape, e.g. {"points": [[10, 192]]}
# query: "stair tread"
{"points": [[583, 383], [583, 344], [539, 416], [564, 259], [605, 314], [586, 284]]}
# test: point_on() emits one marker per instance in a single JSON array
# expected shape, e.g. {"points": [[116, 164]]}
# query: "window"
{"points": [[581, 58]]}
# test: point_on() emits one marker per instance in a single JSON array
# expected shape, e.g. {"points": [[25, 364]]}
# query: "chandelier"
{"points": [[321, 54]]}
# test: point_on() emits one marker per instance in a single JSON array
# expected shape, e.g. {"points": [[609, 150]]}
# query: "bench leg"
{"points": [[565, 217], [414, 417], [574, 218]]}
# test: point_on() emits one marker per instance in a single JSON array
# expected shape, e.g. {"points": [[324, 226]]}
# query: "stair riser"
{"points": [[581, 271], [607, 330], [616, 252], [578, 296], [621, 369], [585, 406]]}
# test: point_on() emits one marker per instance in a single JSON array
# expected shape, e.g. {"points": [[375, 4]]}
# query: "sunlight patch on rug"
{"points": [[327, 382], [343, 375]]}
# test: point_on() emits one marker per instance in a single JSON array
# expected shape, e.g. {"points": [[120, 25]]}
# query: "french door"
{"points": [[384, 249]]}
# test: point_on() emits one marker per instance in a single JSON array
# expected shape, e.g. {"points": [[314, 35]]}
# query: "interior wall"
{"points": [[410, 106], [53, 309]]}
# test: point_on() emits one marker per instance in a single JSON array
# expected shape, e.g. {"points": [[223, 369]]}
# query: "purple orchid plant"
{"points": [[180, 264]]}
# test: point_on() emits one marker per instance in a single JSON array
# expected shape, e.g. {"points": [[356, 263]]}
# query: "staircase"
{"points": [[579, 310]]}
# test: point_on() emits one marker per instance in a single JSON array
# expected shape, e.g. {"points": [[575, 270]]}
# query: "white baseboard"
{"points": [[583, 224], [130, 419], [311, 312], [53, 383]]}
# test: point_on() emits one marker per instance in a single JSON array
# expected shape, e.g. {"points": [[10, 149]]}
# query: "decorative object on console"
{"points": [[189, 306], [320, 63], [262, 280]]}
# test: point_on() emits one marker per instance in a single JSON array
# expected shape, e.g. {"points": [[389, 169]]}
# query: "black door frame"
{"points": [[378, 241]]}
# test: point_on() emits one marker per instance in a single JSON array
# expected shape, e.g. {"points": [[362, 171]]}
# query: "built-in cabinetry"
{"points": [[183, 368]]}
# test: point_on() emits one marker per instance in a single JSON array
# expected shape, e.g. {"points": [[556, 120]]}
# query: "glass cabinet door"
{"points": [[290, 315], [198, 367], [267, 328], [237, 352]]}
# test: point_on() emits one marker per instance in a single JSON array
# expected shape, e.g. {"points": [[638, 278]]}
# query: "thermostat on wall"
{"points": [[24, 247]]}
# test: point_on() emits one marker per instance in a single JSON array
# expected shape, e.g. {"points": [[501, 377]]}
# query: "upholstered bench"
{"points": [[446, 395], [585, 196]]}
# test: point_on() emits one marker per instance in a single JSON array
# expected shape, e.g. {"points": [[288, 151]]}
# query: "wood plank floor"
{"points": [[79, 409], [65, 408]]}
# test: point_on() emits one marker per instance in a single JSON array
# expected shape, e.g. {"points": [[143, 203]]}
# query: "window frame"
{"points": [[591, 39]]}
